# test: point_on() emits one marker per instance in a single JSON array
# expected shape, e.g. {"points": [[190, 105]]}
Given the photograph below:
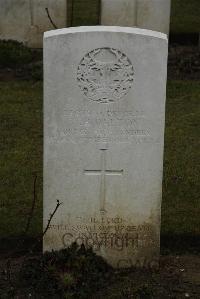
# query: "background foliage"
{"points": [[185, 14]]}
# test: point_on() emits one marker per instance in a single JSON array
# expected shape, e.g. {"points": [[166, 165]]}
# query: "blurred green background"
{"points": [[185, 14]]}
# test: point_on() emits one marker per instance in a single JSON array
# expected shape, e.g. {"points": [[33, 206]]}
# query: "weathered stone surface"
{"points": [[119, 12], [104, 111], [27, 20], [149, 14]]}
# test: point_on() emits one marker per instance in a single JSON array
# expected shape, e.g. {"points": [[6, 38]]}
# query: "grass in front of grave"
{"points": [[181, 206], [21, 158]]}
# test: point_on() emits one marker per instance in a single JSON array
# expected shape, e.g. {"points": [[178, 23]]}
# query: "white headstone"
{"points": [[149, 14], [104, 112]]}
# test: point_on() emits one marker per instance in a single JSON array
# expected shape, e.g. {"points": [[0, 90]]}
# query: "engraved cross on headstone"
{"points": [[103, 172]]}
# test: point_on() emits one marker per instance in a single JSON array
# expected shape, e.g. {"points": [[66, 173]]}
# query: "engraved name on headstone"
{"points": [[148, 14], [104, 111]]}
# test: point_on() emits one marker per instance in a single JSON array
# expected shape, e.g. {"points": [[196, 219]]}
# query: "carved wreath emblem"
{"points": [[105, 75]]}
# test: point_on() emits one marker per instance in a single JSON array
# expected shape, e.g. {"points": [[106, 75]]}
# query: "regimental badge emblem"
{"points": [[105, 75]]}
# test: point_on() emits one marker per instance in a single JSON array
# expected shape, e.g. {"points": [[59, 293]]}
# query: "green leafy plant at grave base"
{"points": [[14, 54], [78, 273], [70, 273], [145, 292]]}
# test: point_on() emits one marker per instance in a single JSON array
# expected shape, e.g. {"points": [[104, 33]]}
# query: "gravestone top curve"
{"points": [[117, 29]]}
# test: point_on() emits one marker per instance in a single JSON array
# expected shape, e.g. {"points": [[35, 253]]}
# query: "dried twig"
{"points": [[50, 19], [38, 240], [32, 207], [51, 217]]}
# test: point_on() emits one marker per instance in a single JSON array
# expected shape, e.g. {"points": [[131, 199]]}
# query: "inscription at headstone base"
{"points": [[104, 108]]}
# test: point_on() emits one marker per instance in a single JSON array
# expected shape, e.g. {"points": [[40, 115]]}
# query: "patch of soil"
{"points": [[31, 71], [21, 68], [178, 277], [184, 62]]}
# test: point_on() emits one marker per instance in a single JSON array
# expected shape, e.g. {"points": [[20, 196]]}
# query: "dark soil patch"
{"points": [[89, 277], [180, 244], [178, 277], [70, 273], [184, 39], [19, 62], [31, 71], [184, 62]]}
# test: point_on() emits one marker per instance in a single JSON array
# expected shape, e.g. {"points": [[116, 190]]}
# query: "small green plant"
{"points": [[74, 272], [145, 292], [67, 280]]}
